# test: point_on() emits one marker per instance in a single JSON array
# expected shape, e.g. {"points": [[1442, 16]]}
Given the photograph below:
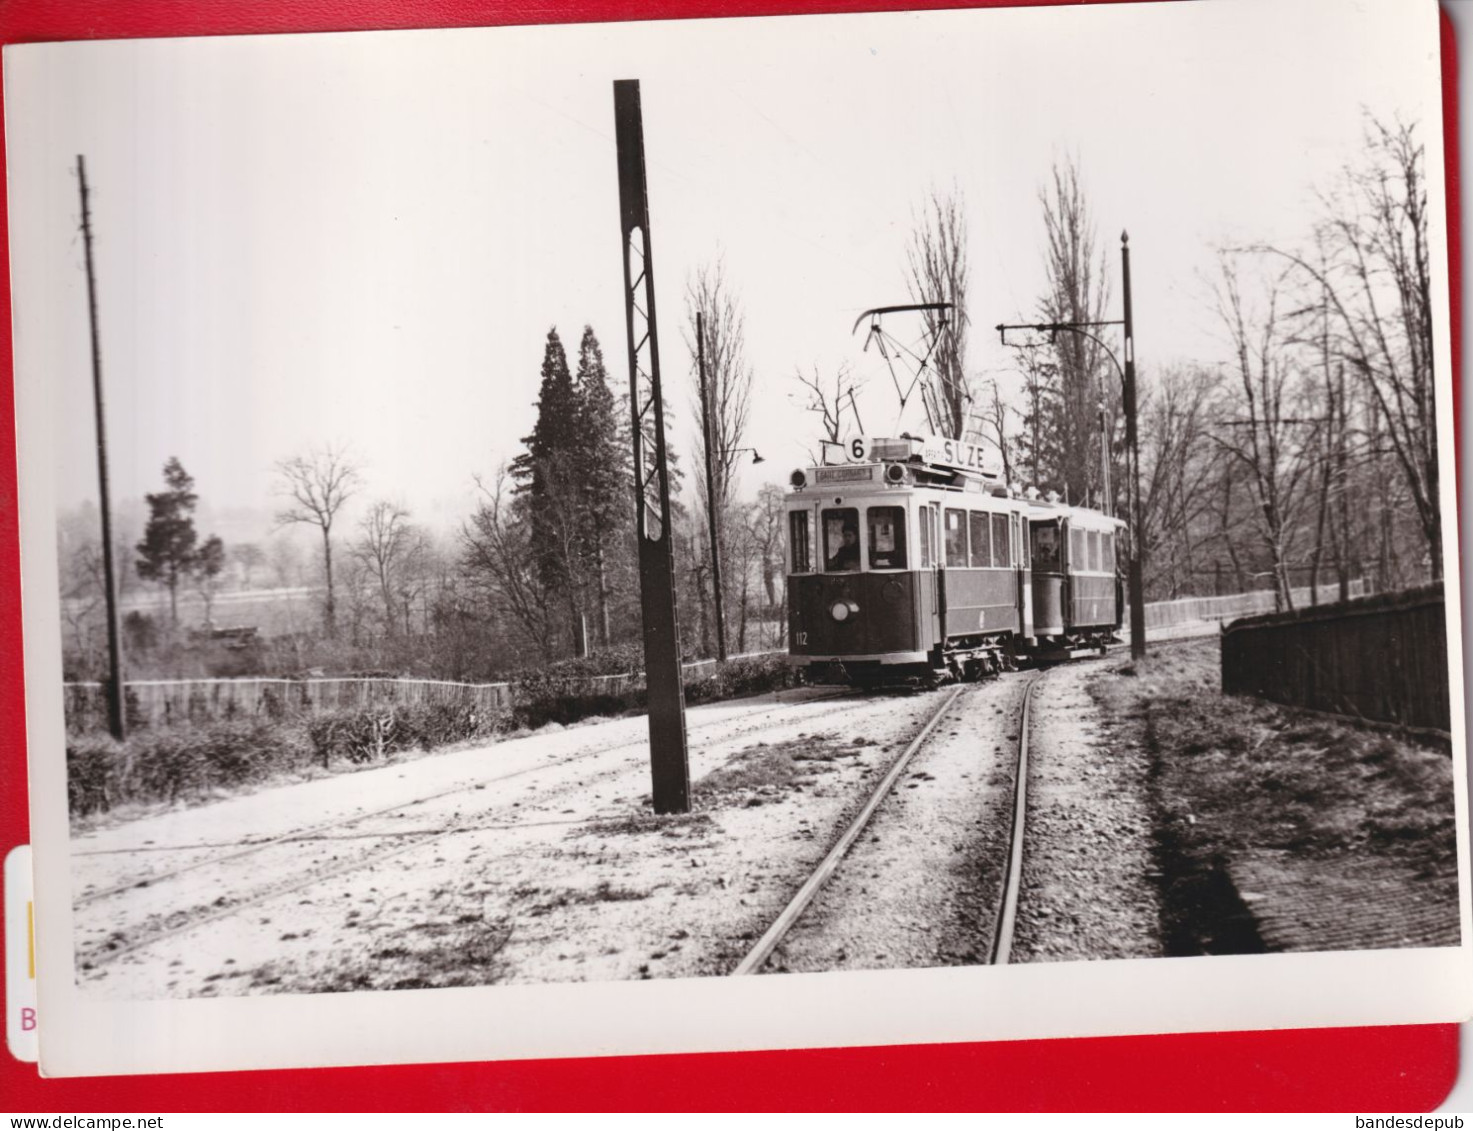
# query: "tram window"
{"points": [[1107, 542], [928, 537], [981, 556], [1019, 542], [841, 539], [801, 542], [1078, 558], [887, 537], [1046, 547], [1000, 548], [956, 539]]}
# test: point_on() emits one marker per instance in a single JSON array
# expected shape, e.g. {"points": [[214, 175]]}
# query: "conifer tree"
{"points": [[167, 552], [603, 476], [547, 476]]}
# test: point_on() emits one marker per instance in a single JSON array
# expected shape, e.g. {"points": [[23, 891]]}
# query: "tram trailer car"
{"points": [[1078, 599], [909, 564]]}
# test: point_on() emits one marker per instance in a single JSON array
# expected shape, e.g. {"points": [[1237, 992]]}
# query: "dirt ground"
{"points": [[1277, 829]]}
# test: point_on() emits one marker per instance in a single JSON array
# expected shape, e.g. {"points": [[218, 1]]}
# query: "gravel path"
{"points": [[1088, 888]]}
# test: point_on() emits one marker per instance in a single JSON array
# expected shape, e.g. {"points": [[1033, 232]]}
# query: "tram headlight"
{"points": [[798, 479], [843, 609]]}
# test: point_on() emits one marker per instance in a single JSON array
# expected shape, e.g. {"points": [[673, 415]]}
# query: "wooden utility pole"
{"points": [[1133, 454], [669, 768], [117, 721]]}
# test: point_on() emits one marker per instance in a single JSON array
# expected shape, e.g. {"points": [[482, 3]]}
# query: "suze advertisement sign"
{"points": [[939, 450]]}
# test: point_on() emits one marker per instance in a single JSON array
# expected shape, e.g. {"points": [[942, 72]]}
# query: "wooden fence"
{"points": [[162, 702], [1381, 658]]}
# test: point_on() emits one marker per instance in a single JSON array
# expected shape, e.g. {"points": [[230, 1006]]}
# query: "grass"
{"points": [[1229, 775]]}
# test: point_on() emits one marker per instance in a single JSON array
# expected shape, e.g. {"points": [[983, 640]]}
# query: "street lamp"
{"points": [[1132, 441]]}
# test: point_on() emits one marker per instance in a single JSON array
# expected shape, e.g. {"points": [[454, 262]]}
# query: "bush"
{"points": [[94, 765], [366, 734], [175, 763], [570, 690], [750, 675]]}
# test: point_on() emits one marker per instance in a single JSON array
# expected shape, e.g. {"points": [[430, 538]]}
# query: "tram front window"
{"points": [[1046, 547], [886, 537], [841, 539]]}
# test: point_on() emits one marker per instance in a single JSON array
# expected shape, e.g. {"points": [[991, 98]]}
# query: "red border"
{"points": [[1405, 1068]]}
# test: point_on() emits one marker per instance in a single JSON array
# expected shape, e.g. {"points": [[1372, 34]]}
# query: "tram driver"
{"points": [[846, 557]]}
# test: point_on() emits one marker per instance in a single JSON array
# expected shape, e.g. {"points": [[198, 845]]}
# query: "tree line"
{"points": [[1306, 454], [543, 568]]}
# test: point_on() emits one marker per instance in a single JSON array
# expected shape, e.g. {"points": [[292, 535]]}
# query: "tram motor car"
{"points": [[910, 561]]}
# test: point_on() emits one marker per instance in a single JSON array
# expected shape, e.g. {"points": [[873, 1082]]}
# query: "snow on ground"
{"points": [[559, 873]]}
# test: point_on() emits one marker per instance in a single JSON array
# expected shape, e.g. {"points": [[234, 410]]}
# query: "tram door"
{"points": [[931, 577], [1021, 562]]}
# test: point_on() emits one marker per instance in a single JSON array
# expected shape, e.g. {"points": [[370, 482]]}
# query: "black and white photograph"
{"points": [[738, 533]]}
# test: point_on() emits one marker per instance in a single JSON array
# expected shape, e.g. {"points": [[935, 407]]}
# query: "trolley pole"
{"points": [[669, 767], [1132, 445], [711, 506], [117, 720]]}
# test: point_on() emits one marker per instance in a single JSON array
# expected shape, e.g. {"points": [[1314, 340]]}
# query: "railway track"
{"points": [[165, 924], [998, 947]]}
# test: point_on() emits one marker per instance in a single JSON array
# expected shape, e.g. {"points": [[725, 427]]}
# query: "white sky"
{"points": [[364, 238]]}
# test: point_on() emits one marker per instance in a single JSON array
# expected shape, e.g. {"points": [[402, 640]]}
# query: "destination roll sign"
{"points": [[940, 451]]}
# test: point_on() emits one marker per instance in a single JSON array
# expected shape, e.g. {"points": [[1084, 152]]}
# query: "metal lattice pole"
{"points": [[669, 767]]}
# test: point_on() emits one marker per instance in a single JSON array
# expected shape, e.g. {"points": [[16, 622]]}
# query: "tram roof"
{"points": [[1082, 516]]}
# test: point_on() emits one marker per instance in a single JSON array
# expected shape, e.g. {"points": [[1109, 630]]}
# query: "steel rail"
{"points": [[1007, 916], [764, 947]]}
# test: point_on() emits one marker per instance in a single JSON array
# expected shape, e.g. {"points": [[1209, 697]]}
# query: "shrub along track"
{"points": [[251, 871]]}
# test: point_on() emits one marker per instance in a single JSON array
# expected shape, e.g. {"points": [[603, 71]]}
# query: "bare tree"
{"points": [[1264, 437], [1077, 291], [1376, 278], [385, 543], [209, 564], [937, 269], [728, 390], [995, 415], [830, 399], [249, 557], [1179, 470], [497, 555], [82, 593], [766, 521], [316, 486]]}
